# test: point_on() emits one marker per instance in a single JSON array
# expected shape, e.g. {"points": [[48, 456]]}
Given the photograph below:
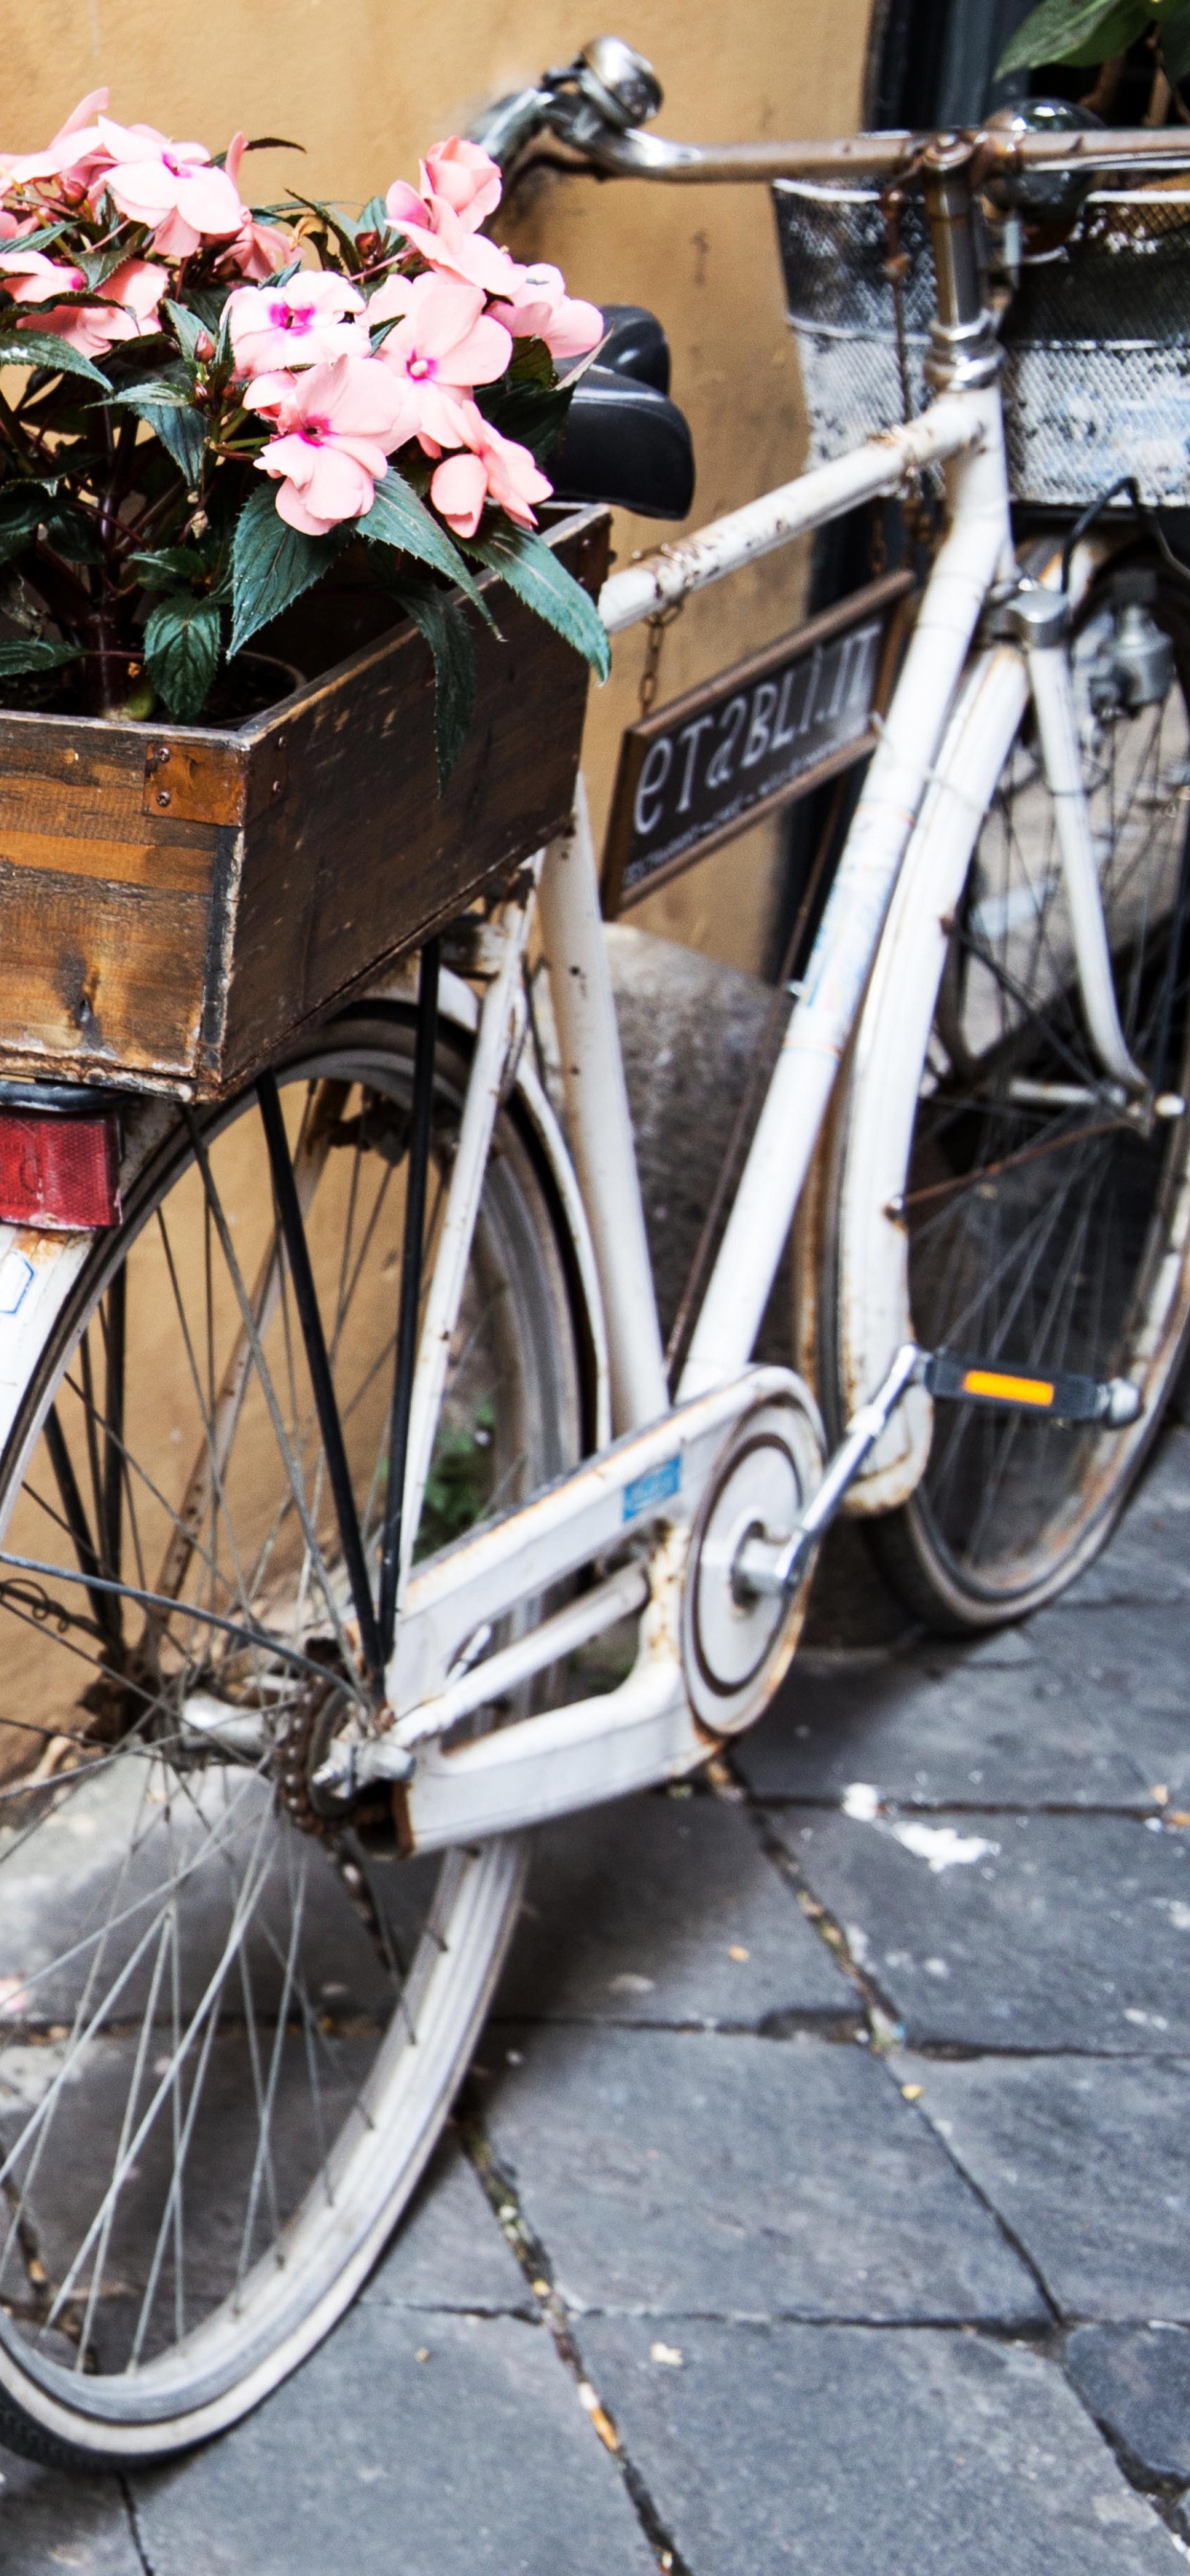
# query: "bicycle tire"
{"points": [[1026, 1246], [162, 2269]]}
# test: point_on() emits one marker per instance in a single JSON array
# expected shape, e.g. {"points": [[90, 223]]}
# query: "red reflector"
{"points": [[59, 1172]]}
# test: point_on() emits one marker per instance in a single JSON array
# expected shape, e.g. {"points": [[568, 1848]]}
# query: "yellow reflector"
{"points": [[1011, 1390]]}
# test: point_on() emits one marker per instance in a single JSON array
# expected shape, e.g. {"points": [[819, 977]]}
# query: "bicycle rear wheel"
{"points": [[229, 2034], [1046, 1230]]}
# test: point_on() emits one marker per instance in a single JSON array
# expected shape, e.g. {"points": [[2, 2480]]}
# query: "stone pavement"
{"points": [[819, 2196]]}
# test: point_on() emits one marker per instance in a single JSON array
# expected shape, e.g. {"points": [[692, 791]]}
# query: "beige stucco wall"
{"points": [[363, 84]]}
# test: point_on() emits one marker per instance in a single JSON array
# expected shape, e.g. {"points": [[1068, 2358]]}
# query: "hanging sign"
{"points": [[710, 764]]}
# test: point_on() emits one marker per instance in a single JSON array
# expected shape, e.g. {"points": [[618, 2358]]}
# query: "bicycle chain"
{"points": [[301, 1743]]}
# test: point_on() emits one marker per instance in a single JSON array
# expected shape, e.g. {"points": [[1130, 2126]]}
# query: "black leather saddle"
{"points": [[624, 440]]}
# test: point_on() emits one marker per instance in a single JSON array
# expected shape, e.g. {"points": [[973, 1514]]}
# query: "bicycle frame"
{"points": [[644, 1491], [644, 1731]]}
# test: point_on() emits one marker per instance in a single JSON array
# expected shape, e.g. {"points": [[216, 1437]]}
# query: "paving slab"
{"points": [[936, 1727], [48, 2521], [1085, 2160], [691, 2173], [1131, 1673], [1135, 2380], [840, 2450], [994, 1931], [450, 2250], [665, 1909], [479, 2456]]}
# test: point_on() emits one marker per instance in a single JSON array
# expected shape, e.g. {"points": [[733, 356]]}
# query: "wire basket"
{"points": [[1096, 376]]}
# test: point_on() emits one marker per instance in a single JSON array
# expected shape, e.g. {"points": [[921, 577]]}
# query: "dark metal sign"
{"points": [[714, 761]]}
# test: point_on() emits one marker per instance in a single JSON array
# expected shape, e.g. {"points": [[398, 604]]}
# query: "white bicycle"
{"points": [[296, 1639]]}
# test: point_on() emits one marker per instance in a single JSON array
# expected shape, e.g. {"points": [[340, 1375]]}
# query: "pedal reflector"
{"points": [[1007, 1390], [1066, 1397]]}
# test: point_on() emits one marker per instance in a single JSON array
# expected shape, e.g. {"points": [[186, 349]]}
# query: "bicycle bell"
{"points": [[1043, 196], [618, 82]]}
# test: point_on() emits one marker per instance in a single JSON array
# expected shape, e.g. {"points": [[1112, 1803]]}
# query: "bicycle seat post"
{"points": [[964, 352]]}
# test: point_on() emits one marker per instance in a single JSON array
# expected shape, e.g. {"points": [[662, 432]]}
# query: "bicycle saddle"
{"points": [[624, 440]]}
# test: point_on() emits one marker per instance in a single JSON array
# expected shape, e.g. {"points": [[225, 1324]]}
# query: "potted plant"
{"points": [[253, 459]]}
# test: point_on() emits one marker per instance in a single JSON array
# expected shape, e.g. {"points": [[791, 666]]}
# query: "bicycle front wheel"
{"points": [[230, 2031], [1046, 1229]]}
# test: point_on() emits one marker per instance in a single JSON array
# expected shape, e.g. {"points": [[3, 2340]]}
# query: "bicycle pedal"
{"points": [[1066, 1397]]}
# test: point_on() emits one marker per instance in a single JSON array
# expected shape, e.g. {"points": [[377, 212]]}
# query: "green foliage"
{"points": [[537, 577], [443, 623], [271, 564], [1175, 44], [337, 226], [1090, 31], [191, 327], [165, 566], [35, 653], [526, 409], [182, 639], [397, 518], [47, 349], [459, 1481], [183, 435], [169, 393]]}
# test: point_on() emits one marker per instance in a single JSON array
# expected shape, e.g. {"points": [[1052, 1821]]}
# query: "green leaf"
{"points": [[190, 328], [531, 362], [1074, 31], [35, 654], [165, 566], [271, 564], [183, 435], [397, 518], [182, 639], [337, 223], [537, 577], [72, 533], [22, 510], [444, 625], [1175, 43], [531, 413], [46, 349], [164, 394]]}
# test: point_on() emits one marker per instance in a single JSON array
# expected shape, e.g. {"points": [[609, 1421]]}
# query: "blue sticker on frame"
{"points": [[656, 1486]]}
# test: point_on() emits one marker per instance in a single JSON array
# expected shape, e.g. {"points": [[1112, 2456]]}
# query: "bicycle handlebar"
{"points": [[597, 105], [635, 154]]}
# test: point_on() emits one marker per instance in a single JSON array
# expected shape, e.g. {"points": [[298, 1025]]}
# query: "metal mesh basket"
{"points": [[1097, 339]]}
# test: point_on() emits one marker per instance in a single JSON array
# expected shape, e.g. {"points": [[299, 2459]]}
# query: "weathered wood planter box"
{"points": [[176, 903]]}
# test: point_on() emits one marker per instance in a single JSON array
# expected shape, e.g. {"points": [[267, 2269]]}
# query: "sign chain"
{"points": [[655, 627]]}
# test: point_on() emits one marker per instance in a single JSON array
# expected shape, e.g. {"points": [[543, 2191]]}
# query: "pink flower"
{"points": [[338, 423], [457, 178], [443, 345], [31, 278], [539, 307], [125, 309], [172, 187], [258, 250], [74, 155], [446, 245], [465, 178], [297, 325], [496, 469]]}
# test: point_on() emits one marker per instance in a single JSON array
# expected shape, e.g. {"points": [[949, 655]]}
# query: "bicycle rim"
{"points": [[229, 2034]]}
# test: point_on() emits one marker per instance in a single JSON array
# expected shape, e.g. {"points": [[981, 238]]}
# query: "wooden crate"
{"points": [[177, 903]]}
